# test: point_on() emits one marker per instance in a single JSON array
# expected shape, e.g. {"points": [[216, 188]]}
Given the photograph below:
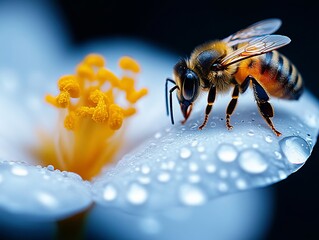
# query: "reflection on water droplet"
{"points": [[163, 177], [241, 184], [136, 194], [295, 149], [252, 161], [201, 148], [185, 153], [19, 171], [227, 153], [109, 192], [268, 138], [191, 195]]}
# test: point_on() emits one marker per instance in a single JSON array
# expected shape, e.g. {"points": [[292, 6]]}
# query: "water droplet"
{"points": [[223, 187], [163, 177], [238, 142], [282, 174], [185, 153], [252, 161], [136, 194], [144, 179], [201, 148], [278, 155], [212, 124], [193, 167], [145, 169], [241, 184], [269, 139], [211, 168], [227, 153], [255, 145], [203, 157], [250, 133], [191, 195], [295, 149], [223, 173], [109, 192], [194, 178], [311, 120], [150, 225], [50, 168], [194, 143], [157, 135], [19, 171], [47, 199]]}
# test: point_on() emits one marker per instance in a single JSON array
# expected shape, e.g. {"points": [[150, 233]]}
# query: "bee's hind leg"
{"points": [[265, 108]]}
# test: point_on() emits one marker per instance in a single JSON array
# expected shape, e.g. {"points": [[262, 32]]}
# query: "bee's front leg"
{"points": [[210, 101]]}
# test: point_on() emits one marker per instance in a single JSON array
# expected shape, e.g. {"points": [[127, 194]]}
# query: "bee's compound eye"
{"points": [[190, 86]]}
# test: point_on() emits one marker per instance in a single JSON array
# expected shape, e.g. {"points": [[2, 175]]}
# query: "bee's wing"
{"points": [[256, 47], [257, 29]]}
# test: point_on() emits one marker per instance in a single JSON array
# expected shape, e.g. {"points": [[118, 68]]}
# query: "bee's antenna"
{"points": [[170, 110]]}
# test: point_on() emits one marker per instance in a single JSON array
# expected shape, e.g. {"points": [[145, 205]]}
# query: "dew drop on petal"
{"points": [[223, 187], [145, 169], [278, 155], [241, 184], [185, 153], [109, 192], [210, 168], [227, 153], [163, 177], [19, 171], [268, 139], [252, 161], [50, 168], [295, 149], [193, 167], [191, 195], [47, 199], [136, 194]]}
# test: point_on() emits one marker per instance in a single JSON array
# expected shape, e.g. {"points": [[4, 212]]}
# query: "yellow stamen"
{"points": [[92, 129]]}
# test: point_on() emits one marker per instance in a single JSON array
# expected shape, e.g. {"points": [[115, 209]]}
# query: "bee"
{"points": [[245, 58]]}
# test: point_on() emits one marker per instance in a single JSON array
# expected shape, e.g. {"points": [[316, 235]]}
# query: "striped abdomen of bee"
{"points": [[274, 72]]}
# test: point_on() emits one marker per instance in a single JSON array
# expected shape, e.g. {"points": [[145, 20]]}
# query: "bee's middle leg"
{"points": [[231, 106]]}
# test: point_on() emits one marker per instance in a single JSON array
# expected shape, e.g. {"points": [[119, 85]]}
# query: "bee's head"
{"points": [[188, 83]]}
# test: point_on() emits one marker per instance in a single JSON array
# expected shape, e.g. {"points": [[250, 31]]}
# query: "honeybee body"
{"points": [[245, 58], [275, 73]]}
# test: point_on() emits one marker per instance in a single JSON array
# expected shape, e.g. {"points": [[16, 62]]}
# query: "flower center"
{"points": [[91, 127]]}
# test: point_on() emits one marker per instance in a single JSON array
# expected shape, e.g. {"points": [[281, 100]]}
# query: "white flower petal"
{"points": [[238, 216], [190, 167], [42, 193]]}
